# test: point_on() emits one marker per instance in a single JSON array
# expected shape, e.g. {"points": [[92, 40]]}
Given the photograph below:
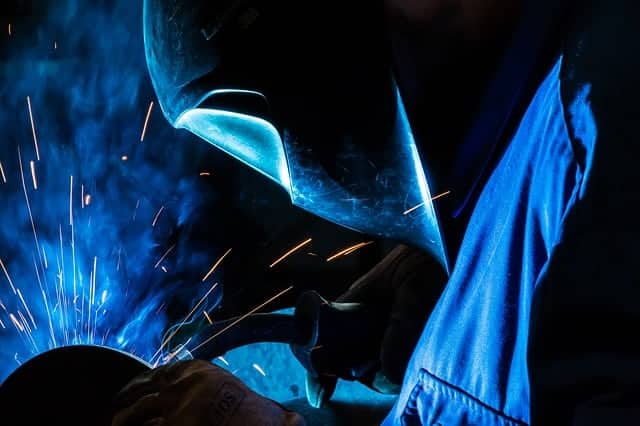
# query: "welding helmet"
{"points": [[303, 92]]}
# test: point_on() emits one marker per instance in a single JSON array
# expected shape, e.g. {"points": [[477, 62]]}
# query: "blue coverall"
{"points": [[537, 322]]}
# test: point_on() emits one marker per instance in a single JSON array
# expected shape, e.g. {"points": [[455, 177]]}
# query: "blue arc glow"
{"points": [[86, 208]]}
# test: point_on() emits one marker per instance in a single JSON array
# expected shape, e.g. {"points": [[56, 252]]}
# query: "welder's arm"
{"points": [[584, 362], [196, 393], [396, 296]]}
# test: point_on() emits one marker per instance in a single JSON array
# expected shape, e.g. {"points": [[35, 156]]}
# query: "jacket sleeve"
{"points": [[583, 353]]}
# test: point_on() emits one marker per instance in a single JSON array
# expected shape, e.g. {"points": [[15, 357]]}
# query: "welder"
{"points": [[519, 296]]}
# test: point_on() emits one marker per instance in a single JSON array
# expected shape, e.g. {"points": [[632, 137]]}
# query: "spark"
{"points": [[135, 210], [160, 308], [15, 357], [155, 218], [33, 129], [422, 204], [26, 199], [206, 315], [205, 174], [33, 321], [347, 251], [44, 258], [259, 369], [15, 322], [146, 122], [2, 175], [23, 321], [32, 164], [166, 253], [124, 158], [315, 348], [73, 264], [45, 298], [2, 324], [257, 308], [87, 199], [184, 321], [9, 29], [71, 200], [82, 196], [6, 274], [215, 265], [92, 296], [55, 45], [164, 269], [290, 252], [313, 254], [224, 361]]}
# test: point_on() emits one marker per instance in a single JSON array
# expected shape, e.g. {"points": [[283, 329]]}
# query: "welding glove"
{"points": [[196, 393], [369, 333]]}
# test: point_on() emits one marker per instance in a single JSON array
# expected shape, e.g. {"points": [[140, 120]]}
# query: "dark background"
{"points": [[236, 207]]}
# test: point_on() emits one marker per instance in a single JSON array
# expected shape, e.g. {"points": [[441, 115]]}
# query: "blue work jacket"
{"points": [[538, 321]]}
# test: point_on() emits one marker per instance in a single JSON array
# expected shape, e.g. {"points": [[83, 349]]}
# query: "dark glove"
{"points": [[196, 393], [370, 332]]}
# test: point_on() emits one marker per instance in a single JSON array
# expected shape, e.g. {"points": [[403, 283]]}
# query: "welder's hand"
{"points": [[391, 303], [196, 393]]}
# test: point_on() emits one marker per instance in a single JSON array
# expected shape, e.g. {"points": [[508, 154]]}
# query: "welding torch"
{"points": [[367, 334], [317, 329]]}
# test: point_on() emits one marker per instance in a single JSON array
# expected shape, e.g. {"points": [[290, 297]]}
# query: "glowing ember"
{"points": [[146, 122], [290, 252], [215, 265], [422, 204], [347, 251], [155, 218], [33, 129]]}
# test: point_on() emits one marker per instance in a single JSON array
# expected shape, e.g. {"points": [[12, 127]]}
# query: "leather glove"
{"points": [[196, 393], [373, 327]]}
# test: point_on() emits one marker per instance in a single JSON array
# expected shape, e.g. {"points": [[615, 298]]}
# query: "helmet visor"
{"points": [[373, 182]]}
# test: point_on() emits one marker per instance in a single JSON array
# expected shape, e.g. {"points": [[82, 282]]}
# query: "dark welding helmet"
{"points": [[302, 92]]}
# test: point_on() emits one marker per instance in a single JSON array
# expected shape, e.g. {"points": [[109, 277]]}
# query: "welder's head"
{"points": [[303, 93]]}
